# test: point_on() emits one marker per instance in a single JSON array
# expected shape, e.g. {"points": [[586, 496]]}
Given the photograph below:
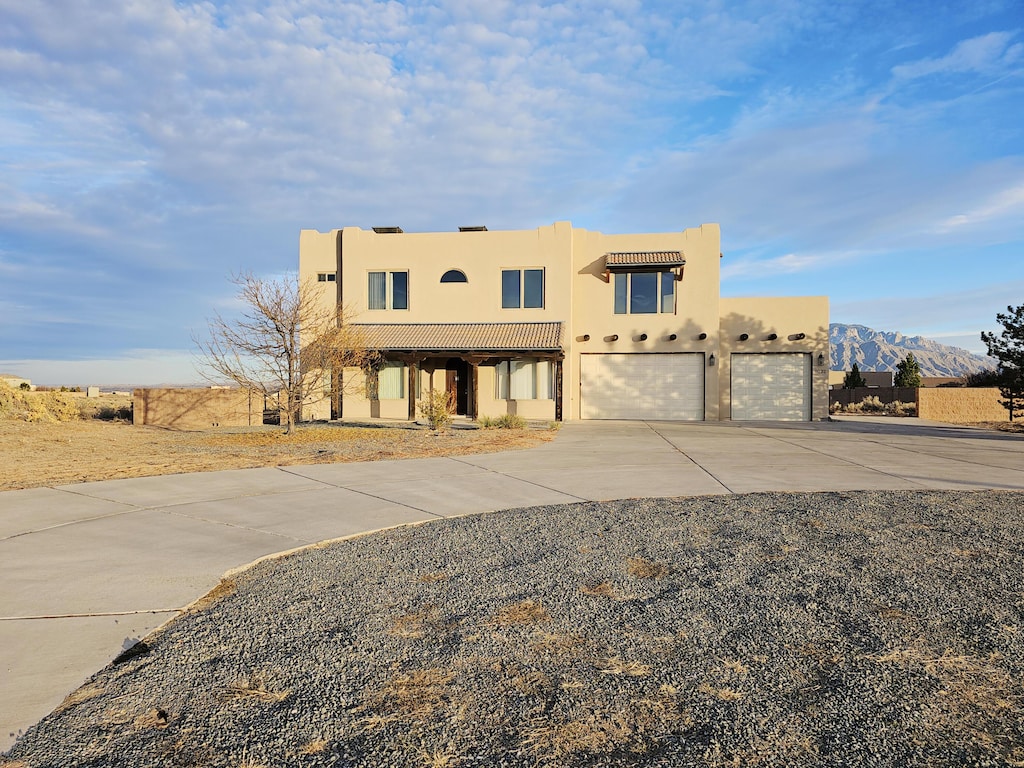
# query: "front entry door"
{"points": [[457, 384]]}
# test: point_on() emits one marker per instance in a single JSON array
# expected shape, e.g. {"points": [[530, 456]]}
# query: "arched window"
{"points": [[454, 276]]}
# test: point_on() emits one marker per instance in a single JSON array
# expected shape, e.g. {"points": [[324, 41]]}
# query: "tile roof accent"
{"points": [[486, 337], [644, 259]]}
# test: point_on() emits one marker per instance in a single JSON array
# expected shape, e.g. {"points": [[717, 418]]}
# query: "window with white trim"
{"points": [[387, 383], [326, 277], [525, 379], [645, 293], [522, 289], [388, 290]]}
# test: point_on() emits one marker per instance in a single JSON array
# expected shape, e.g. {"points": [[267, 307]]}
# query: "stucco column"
{"points": [[413, 369], [471, 390], [558, 390]]}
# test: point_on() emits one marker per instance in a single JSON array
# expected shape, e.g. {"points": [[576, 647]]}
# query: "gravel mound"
{"points": [[826, 629]]}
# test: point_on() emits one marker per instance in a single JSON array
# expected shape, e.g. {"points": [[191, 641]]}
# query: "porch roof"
{"points": [[462, 337]]}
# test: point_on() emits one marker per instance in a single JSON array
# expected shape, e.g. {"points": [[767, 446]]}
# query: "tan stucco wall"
{"points": [[576, 294], [759, 317], [960, 405], [185, 408], [593, 304]]}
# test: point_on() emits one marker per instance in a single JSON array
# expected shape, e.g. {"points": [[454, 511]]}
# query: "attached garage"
{"points": [[771, 387], [648, 387]]}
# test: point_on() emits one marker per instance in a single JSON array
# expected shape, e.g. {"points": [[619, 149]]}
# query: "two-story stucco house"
{"points": [[564, 323]]}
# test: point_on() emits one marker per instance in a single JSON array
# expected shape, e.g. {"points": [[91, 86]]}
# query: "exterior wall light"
{"points": [[641, 337], [702, 336], [711, 360], [671, 337], [821, 360], [744, 336]]}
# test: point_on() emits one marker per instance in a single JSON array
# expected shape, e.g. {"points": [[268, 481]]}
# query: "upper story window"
{"points": [[388, 290], [522, 288], [454, 276], [645, 293], [326, 277]]}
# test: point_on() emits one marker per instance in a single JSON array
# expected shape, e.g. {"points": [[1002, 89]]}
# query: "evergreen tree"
{"points": [[853, 379], [1008, 349], [908, 372]]}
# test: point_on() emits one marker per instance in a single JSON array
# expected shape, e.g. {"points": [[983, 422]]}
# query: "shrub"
{"points": [[437, 408], [486, 422], [510, 421], [871, 404], [25, 386], [114, 413], [897, 408]]}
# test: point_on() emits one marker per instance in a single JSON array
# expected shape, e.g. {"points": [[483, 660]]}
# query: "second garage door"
{"points": [[649, 387], [771, 387]]}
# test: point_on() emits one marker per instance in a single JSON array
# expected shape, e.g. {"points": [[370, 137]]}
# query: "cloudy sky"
{"points": [[870, 151]]}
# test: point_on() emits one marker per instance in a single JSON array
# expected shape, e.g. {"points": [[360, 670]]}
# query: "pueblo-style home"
{"points": [[560, 323]]}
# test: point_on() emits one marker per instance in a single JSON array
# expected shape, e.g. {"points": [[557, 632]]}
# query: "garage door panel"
{"points": [[771, 387], [642, 386]]}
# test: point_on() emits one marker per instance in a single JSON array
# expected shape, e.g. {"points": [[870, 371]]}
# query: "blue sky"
{"points": [[870, 151]]}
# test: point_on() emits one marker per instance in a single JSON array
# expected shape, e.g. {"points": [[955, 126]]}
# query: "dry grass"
{"points": [[525, 612], [255, 688], [604, 589], [722, 694], [641, 568], [224, 588], [551, 643], [426, 621], [314, 747], [617, 666], [46, 454], [414, 695], [438, 759], [86, 692]]}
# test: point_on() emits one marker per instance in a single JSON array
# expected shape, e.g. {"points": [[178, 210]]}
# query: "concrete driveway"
{"points": [[87, 569]]}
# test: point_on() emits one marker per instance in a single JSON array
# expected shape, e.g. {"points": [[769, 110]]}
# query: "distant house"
{"points": [[15, 382], [564, 323], [871, 378]]}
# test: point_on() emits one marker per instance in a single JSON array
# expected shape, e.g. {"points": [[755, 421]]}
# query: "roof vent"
{"points": [[472, 229], [388, 230]]}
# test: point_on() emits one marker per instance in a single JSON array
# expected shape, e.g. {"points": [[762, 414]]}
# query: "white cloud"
{"points": [[1006, 203], [985, 54]]}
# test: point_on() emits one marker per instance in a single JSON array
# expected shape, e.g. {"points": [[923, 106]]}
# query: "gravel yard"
{"points": [[832, 629]]}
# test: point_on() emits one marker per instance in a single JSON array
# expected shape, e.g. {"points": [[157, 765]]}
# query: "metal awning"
{"points": [[637, 260]]}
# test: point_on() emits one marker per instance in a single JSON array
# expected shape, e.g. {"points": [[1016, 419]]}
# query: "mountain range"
{"points": [[875, 350]]}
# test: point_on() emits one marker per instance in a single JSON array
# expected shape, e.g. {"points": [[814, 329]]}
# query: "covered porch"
{"points": [[487, 368]]}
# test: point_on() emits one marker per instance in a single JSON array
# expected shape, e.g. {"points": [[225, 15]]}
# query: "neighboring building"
{"points": [[15, 382], [871, 378], [564, 323]]}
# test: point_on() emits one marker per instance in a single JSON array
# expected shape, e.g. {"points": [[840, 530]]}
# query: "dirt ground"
{"points": [[41, 454]]}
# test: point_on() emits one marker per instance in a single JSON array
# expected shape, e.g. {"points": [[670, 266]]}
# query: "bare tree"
{"points": [[288, 341]]}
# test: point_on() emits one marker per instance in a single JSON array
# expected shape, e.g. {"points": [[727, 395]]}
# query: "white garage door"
{"points": [[775, 387], [650, 387]]}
